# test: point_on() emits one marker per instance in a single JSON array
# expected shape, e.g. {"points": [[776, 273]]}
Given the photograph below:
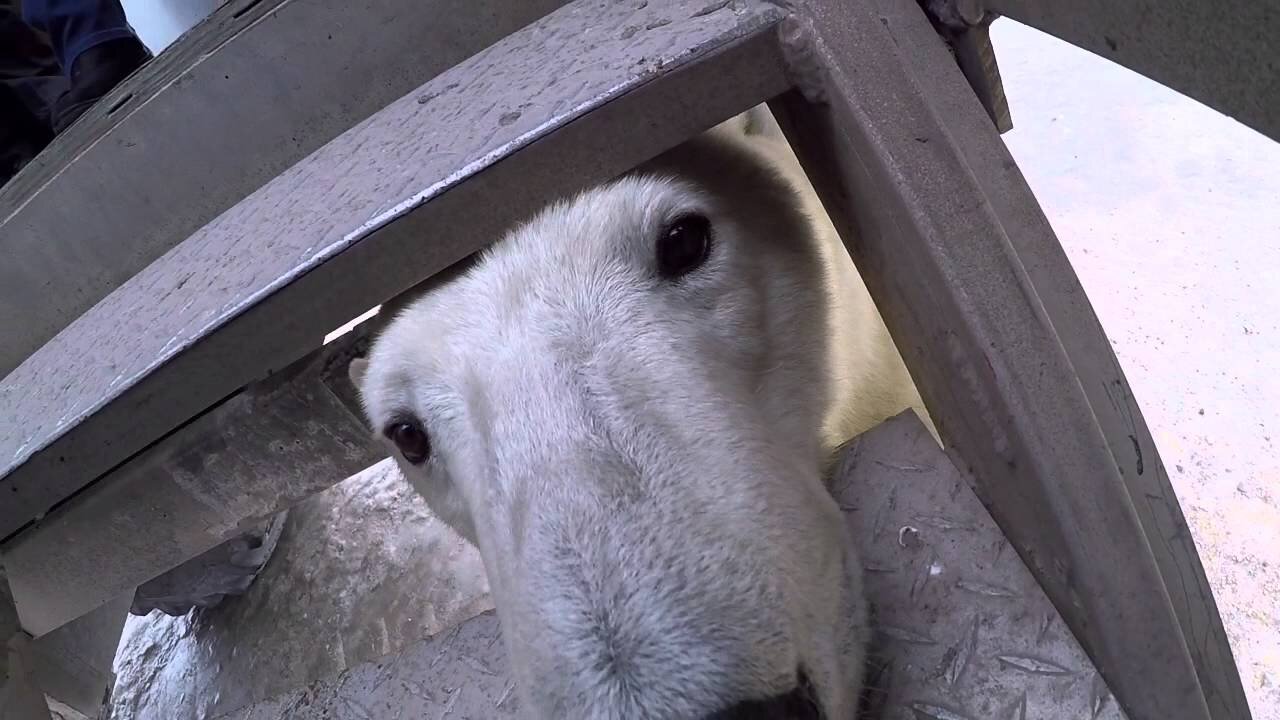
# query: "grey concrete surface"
{"points": [[1170, 213], [73, 664], [21, 697], [362, 570]]}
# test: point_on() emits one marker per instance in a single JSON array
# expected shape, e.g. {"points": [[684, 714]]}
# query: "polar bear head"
{"points": [[621, 405]]}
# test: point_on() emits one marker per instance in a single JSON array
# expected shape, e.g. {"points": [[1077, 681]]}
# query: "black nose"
{"points": [[798, 704]]}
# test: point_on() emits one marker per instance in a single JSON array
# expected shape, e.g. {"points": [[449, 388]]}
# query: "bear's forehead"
{"points": [[598, 224], [570, 248]]}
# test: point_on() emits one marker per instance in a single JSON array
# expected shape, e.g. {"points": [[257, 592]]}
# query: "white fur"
{"points": [[640, 460]]}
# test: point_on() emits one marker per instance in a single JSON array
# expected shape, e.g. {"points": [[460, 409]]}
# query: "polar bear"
{"points": [[628, 404]]}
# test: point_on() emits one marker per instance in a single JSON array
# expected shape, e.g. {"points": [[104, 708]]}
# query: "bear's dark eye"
{"points": [[410, 439], [683, 246]]}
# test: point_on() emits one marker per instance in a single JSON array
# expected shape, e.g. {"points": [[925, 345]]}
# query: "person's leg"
{"points": [[27, 63], [95, 45], [29, 81], [74, 26], [22, 136]]}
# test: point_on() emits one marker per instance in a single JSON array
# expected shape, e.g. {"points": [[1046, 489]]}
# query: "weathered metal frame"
{"points": [[1092, 358], [1224, 53], [1010, 326], [186, 138], [957, 254], [339, 248]]}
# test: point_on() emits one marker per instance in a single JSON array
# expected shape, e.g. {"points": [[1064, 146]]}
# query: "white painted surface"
{"points": [[1170, 213], [160, 22]]}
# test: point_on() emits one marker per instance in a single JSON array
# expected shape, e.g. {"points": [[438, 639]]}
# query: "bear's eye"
{"points": [[410, 439], [683, 246]]}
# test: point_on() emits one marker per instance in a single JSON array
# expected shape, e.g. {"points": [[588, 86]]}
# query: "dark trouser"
{"points": [[74, 26], [30, 79], [29, 74]]}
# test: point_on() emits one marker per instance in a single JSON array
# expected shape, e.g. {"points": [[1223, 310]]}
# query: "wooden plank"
{"points": [[982, 349], [427, 181], [246, 94], [1092, 358]]}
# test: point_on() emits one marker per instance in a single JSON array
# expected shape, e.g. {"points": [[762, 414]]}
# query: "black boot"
{"points": [[94, 73]]}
